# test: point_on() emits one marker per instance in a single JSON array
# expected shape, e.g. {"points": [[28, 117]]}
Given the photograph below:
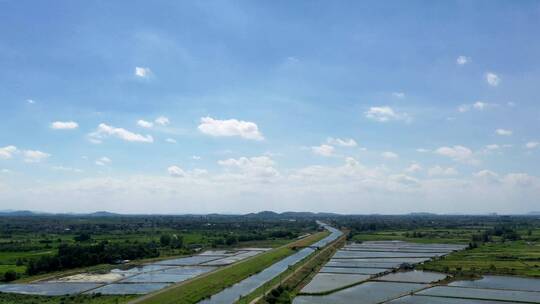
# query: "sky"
{"points": [[242, 106]]}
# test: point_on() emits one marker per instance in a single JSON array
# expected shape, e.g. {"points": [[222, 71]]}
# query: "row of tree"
{"points": [[73, 256]]}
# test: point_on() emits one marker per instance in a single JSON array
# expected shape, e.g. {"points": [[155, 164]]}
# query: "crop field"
{"points": [[80, 299], [513, 258]]}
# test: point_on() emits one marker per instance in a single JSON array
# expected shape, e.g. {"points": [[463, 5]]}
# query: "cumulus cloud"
{"points": [[64, 125], [492, 79], [389, 155], [162, 121], [532, 145], [457, 153], [34, 156], [142, 72], [230, 127], [479, 106], [144, 124], [103, 161], [503, 132], [66, 169], [105, 130], [176, 171], [441, 171], [413, 168], [7, 152], [323, 150], [462, 60], [345, 142], [257, 167], [385, 114]]}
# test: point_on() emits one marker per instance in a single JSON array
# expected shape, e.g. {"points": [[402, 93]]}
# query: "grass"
{"points": [[205, 286], [510, 258], [8, 298]]}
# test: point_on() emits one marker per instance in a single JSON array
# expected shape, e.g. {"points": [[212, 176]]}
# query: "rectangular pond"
{"points": [[353, 270], [415, 276], [131, 288], [484, 294], [365, 293], [439, 300], [48, 289], [501, 282], [324, 282]]}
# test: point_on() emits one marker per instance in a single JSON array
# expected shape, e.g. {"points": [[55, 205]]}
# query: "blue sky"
{"points": [[240, 106]]}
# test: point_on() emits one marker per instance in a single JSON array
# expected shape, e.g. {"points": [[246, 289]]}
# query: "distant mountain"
{"points": [[534, 213], [20, 213], [103, 214]]}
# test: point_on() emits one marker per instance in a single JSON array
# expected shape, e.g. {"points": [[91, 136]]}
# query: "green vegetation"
{"points": [[6, 298], [36, 244], [205, 286]]}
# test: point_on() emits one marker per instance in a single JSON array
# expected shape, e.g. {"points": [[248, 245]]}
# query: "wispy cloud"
{"points": [[385, 114]]}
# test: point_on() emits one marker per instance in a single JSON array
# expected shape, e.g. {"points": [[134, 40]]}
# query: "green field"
{"points": [[447, 236], [205, 286], [513, 258]]}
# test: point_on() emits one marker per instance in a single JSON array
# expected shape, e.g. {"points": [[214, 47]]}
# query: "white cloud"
{"points": [[441, 171], [413, 168], [66, 169], [532, 144], [503, 132], [144, 124], [492, 79], [479, 105], [64, 125], [462, 60], [105, 130], [196, 157], [422, 150], [5, 171], [493, 147], [176, 171], [30, 101], [346, 142], [162, 121], [34, 156], [7, 152], [103, 161], [486, 175], [258, 167], [170, 140], [457, 153], [389, 155], [399, 95], [385, 113], [230, 127], [323, 150], [142, 72]]}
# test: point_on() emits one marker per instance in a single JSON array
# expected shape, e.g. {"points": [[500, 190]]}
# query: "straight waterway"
{"points": [[250, 284]]}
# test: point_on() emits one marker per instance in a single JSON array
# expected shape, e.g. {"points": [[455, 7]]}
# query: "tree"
{"points": [[10, 275], [165, 240]]}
